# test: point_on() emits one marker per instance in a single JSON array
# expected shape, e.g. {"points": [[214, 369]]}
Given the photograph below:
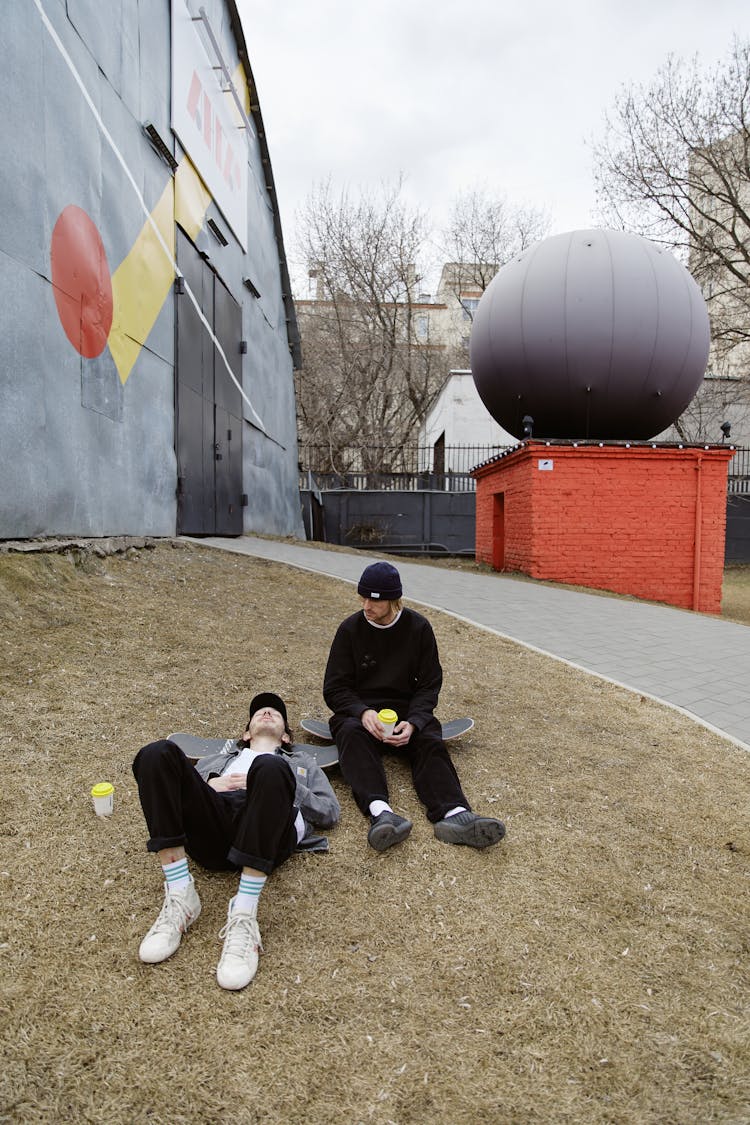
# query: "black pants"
{"points": [[433, 773], [221, 831]]}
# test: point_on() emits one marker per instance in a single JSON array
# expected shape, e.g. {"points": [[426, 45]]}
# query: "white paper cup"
{"points": [[389, 719], [103, 796]]}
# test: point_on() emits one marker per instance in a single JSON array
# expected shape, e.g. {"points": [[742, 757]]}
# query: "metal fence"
{"points": [[403, 468], [739, 473], [433, 513], [419, 468], [388, 482], [387, 459]]}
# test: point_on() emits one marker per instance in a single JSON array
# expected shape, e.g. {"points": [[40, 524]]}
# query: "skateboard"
{"points": [[452, 729], [194, 747]]}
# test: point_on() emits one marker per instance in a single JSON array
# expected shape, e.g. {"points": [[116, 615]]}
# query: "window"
{"points": [[469, 305]]}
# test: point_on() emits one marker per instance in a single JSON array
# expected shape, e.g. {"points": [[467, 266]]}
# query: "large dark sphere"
{"points": [[594, 334]]}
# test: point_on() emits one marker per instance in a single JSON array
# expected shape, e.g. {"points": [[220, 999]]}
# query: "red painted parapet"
{"points": [[642, 519]]}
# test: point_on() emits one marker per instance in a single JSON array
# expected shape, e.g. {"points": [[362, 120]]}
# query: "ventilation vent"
{"points": [[159, 145], [217, 232]]}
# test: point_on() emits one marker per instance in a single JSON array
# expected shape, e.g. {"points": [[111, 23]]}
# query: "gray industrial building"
{"points": [[149, 334]]}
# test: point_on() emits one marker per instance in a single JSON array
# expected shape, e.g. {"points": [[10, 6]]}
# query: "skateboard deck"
{"points": [[452, 729], [194, 747]]}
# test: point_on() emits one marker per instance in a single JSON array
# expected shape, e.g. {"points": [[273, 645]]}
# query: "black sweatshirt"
{"points": [[396, 667]]}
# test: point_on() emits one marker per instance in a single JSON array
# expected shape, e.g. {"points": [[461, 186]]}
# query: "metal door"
{"points": [[227, 413], [208, 424]]}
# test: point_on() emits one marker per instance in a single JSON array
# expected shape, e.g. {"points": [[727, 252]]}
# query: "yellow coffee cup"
{"points": [[388, 718], [103, 796]]}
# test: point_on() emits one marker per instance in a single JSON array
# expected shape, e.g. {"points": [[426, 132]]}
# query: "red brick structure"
{"points": [[635, 518]]}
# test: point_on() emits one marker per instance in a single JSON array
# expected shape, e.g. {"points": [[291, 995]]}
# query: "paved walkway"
{"points": [[696, 663]]}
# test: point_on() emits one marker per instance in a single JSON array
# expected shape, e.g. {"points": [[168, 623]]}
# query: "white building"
{"points": [[458, 417]]}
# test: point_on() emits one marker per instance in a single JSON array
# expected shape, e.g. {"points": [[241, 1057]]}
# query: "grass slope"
{"points": [[591, 968]]}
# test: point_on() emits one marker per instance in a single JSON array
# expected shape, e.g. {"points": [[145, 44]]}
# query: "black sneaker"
{"points": [[468, 828], [386, 830]]}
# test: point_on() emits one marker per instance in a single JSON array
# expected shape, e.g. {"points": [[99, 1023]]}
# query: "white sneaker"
{"points": [[239, 957], [179, 911]]}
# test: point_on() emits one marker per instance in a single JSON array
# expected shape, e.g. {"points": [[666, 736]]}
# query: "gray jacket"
{"points": [[314, 797]]}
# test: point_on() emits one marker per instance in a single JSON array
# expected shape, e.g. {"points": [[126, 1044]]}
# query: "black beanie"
{"points": [[380, 580], [268, 699]]}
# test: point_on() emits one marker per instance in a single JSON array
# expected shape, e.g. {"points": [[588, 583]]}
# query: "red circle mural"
{"points": [[81, 281]]}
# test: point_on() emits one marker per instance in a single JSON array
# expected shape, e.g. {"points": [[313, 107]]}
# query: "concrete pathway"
{"points": [[698, 664]]}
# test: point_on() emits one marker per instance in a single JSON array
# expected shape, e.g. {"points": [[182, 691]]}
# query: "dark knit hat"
{"points": [[268, 699], [380, 580]]}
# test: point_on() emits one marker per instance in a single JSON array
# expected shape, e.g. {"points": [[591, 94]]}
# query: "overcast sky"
{"points": [[503, 95]]}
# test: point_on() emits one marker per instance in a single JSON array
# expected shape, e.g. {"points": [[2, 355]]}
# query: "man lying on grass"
{"points": [[245, 810]]}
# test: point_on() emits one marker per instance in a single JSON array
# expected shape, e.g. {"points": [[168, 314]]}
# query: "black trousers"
{"points": [[433, 773], [221, 831]]}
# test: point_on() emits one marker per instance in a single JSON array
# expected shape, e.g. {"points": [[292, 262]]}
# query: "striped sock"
{"points": [[249, 893], [176, 874]]}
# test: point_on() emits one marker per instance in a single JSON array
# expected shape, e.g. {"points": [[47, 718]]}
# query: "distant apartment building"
{"points": [[439, 320], [433, 328]]}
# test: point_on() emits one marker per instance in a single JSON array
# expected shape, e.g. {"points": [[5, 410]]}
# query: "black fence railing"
{"points": [[403, 468], [420, 468], [395, 458], [739, 472], [388, 482]]}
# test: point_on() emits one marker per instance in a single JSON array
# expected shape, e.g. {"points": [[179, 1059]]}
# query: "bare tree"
{"points": [[673, 164], [367, 378], [719, 400], [485, 232]]}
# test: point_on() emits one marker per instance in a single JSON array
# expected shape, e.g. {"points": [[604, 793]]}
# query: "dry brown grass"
{"points": [[592, 968], [735, 601]]}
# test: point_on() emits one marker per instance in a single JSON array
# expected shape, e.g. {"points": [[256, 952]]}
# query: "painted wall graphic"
{"points": [[203, 120], [89, 360], [86, 296], [81, 282], [90, 302]]}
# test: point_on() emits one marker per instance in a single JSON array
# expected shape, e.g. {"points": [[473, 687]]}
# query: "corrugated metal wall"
{"points": [[87, 354], [424, 522]]}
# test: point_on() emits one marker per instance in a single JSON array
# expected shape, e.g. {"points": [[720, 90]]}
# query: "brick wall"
{"points": [[642, 520]]}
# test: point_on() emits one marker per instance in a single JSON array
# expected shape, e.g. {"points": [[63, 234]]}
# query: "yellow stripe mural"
{"points": [[143, 279]]}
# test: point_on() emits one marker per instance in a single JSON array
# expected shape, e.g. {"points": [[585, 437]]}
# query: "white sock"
{"points": [[247, 896], [176, 874], [458, 808], [377, 807]]}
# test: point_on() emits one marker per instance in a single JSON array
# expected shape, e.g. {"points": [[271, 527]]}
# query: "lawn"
{"points": [[592, 968], [735, 601]]}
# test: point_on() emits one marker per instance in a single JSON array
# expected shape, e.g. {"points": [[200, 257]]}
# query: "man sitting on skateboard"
{"points": [[245, 809], [386, 657]]}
